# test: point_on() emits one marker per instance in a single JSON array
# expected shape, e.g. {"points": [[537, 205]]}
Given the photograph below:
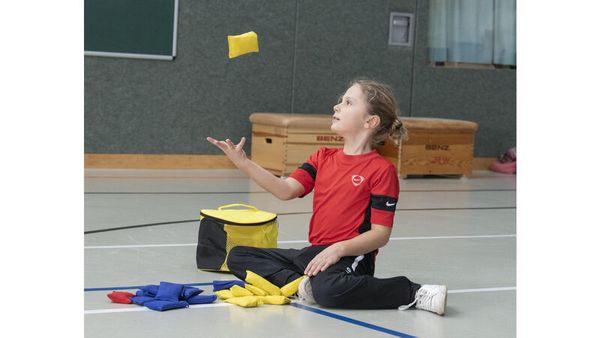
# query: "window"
{"points": [[473, 32]]}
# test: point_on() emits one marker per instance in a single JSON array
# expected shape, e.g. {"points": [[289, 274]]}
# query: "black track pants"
{"points": [[347, 284]]}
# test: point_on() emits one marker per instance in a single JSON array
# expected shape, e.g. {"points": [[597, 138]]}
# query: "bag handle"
{"points": [[237, 205]]}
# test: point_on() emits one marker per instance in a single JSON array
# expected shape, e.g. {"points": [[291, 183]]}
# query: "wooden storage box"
{"points": [[282, 142], [434, 147]]}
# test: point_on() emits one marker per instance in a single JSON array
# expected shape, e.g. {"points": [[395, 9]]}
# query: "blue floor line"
{"points": [[137, 287], [352, 321]]}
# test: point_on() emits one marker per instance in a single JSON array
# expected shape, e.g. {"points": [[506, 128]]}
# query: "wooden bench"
{"points": [[433, 147], [282, 142]]}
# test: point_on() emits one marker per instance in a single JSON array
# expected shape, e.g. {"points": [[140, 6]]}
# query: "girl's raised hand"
{"points": [[235, 152]]}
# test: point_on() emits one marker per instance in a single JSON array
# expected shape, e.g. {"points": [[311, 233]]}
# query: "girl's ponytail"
{"points": [[398, 132]]}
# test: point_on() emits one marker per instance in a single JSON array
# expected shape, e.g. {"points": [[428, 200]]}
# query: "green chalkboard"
{"points": [[131, 28]]}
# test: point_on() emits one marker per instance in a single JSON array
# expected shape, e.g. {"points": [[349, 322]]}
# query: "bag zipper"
{"points": [[234, 223]]}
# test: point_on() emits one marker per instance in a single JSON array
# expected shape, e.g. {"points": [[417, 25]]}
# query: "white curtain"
{"points": [[473, 31]]}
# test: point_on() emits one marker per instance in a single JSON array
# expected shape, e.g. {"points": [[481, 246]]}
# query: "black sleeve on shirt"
{"points": [[310, 170], [383, 203]]}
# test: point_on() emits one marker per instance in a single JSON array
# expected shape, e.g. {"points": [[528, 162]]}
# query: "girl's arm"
{"points": [[366, 242], [283, 189]]}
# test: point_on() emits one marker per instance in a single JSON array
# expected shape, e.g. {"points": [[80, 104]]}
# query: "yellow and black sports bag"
{"points": [[222, 229]]}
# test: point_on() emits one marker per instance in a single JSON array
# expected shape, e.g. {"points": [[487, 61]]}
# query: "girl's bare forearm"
{"points": [[265, 179]]}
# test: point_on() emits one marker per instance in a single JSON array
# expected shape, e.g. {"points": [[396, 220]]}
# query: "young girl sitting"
{"points": [[355, 196]]}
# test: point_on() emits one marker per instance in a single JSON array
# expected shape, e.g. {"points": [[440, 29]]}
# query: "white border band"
{"points": [[129, 55]]}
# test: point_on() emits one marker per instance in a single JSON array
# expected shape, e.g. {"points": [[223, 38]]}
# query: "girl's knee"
{"points": [[328, 290], [235, 256]]}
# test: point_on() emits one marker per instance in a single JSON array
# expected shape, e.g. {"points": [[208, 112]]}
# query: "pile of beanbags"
{"points": [[166, 296], [257, 291]]}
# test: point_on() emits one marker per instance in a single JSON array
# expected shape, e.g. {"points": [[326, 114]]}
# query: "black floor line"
{"points": [[262, 192], [137, 226], [279, 214]]}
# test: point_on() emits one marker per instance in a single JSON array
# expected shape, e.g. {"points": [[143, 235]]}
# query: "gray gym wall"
{"points": [[309, 51]]}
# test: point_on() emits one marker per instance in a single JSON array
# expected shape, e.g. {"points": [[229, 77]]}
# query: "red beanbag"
{"points": [[120, 297]]}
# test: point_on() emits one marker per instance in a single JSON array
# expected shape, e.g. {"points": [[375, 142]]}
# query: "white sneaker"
{"points": [[305, 292], [431, 298]]}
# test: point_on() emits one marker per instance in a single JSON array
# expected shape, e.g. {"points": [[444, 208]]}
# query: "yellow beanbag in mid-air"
{"points": [[247, 301], [262, 283], [242, 44], [291, 287]]}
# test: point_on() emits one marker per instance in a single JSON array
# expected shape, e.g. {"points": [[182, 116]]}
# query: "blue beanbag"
{"points": [[201, 299], [188, 292], [169, 292], [167, 296], [161, 305], [150, 290], [141, 300], [226, 284]]}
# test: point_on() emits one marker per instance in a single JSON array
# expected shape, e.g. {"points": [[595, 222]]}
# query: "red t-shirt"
{"points": [[351, 193]]}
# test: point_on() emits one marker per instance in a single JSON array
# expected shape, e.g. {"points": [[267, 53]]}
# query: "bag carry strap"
{"points": [[237, 205]]}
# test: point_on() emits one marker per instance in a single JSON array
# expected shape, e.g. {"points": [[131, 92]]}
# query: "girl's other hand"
{"points": [[235, 152], [323, 260]]}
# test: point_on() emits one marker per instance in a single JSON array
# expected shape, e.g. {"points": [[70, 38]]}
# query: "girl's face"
{"points": [[350, 115]]}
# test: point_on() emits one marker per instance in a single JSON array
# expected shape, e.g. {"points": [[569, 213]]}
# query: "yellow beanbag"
{"points": [[255, 290], [224, 294], [275, 300], [247, 301], [238, 291], [291, 287], [242, 44], [262, 283]]}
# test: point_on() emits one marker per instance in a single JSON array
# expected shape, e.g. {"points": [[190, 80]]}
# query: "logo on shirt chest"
{"points": [[357, 180]]}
